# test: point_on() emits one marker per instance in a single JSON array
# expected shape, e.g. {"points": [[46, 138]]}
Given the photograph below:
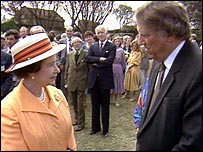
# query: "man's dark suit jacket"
{"points": [[175, 121], [6, 78], [102, 69]]}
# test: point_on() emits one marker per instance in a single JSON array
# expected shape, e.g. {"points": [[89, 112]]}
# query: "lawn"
{"points": [[122, 135]]}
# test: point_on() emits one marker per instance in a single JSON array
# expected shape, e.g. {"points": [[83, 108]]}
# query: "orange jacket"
{"points": [[27, 124]]}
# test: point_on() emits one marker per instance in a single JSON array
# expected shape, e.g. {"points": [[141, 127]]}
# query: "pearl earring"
{"points": [[33, 77]]}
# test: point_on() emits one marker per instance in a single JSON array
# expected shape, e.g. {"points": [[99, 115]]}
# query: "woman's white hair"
{"points": [[76, 39]]}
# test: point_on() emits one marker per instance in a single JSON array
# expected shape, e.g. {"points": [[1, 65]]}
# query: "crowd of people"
{"points": [[82, 67], [43, 73]]}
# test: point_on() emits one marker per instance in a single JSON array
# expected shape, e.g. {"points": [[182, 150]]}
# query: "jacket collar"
{"points": [[175, 68], [30, 103]]}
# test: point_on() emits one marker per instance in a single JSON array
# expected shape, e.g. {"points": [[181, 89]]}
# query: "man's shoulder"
{"points": [[84, 50], [94, 45], [6, 55], [110, 43], [112, 46], [63, 40], [71, 53]]}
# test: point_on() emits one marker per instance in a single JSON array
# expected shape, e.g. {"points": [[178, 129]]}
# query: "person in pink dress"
{"points": [[118, 68]]}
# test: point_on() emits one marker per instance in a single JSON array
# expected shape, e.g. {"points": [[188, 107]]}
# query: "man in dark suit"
{"points": [[61, 59], [173, 121], [12, 36], [6, 78], [100, 57]]}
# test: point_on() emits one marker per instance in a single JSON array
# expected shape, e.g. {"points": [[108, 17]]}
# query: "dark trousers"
{"points": [[100, 99], [60, 83]]}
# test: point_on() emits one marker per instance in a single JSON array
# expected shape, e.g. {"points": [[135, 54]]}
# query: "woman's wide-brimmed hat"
{"points": [[32, 49]]}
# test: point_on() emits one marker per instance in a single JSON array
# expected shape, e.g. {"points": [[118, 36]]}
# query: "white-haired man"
{"points": [[100, 57]]}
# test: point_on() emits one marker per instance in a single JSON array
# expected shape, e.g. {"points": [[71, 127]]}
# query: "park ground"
{"points": [[122, 134]]}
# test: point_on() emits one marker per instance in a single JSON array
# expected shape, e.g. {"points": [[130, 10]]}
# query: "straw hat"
{"points": [[32, 49]]}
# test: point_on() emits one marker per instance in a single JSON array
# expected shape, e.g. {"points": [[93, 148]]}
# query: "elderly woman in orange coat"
{"points": [[35, 116], [132, 81]]}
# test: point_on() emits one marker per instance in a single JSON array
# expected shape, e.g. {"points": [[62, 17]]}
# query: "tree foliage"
{"points": [[39, 12], [96, 12], [10, 7], [9, 25], [124, 14], [13, 7], [194, 9], [73, 9], [89, 13]]}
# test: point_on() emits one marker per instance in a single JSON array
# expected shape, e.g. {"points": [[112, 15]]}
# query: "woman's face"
{"points": [[117, 42], [128, 41], [48, 72], [134, 47], [89, 39]]}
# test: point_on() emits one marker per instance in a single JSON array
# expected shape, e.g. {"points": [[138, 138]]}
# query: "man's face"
{"points": [[77, 45], [154, 41], [69, 33], [10, 40], [23, 32], [2, 43], [101, 34]]}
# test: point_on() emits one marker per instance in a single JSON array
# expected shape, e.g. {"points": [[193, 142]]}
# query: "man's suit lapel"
{"points": [[178, 62], [160, 97], [150, 90], [72, 57], [148, 116], [97, 49], [80, 56], [105, 48]]}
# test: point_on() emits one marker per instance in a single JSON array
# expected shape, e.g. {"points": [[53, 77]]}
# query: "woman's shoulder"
{"points": [[120, 49], [11, 100], [54, 89], [56, 93]]}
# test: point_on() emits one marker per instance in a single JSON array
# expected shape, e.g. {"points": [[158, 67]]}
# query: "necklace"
{"points": [[42, 96]]}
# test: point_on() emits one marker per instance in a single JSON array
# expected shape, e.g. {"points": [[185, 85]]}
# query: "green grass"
{"points": [[122, 134]]}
